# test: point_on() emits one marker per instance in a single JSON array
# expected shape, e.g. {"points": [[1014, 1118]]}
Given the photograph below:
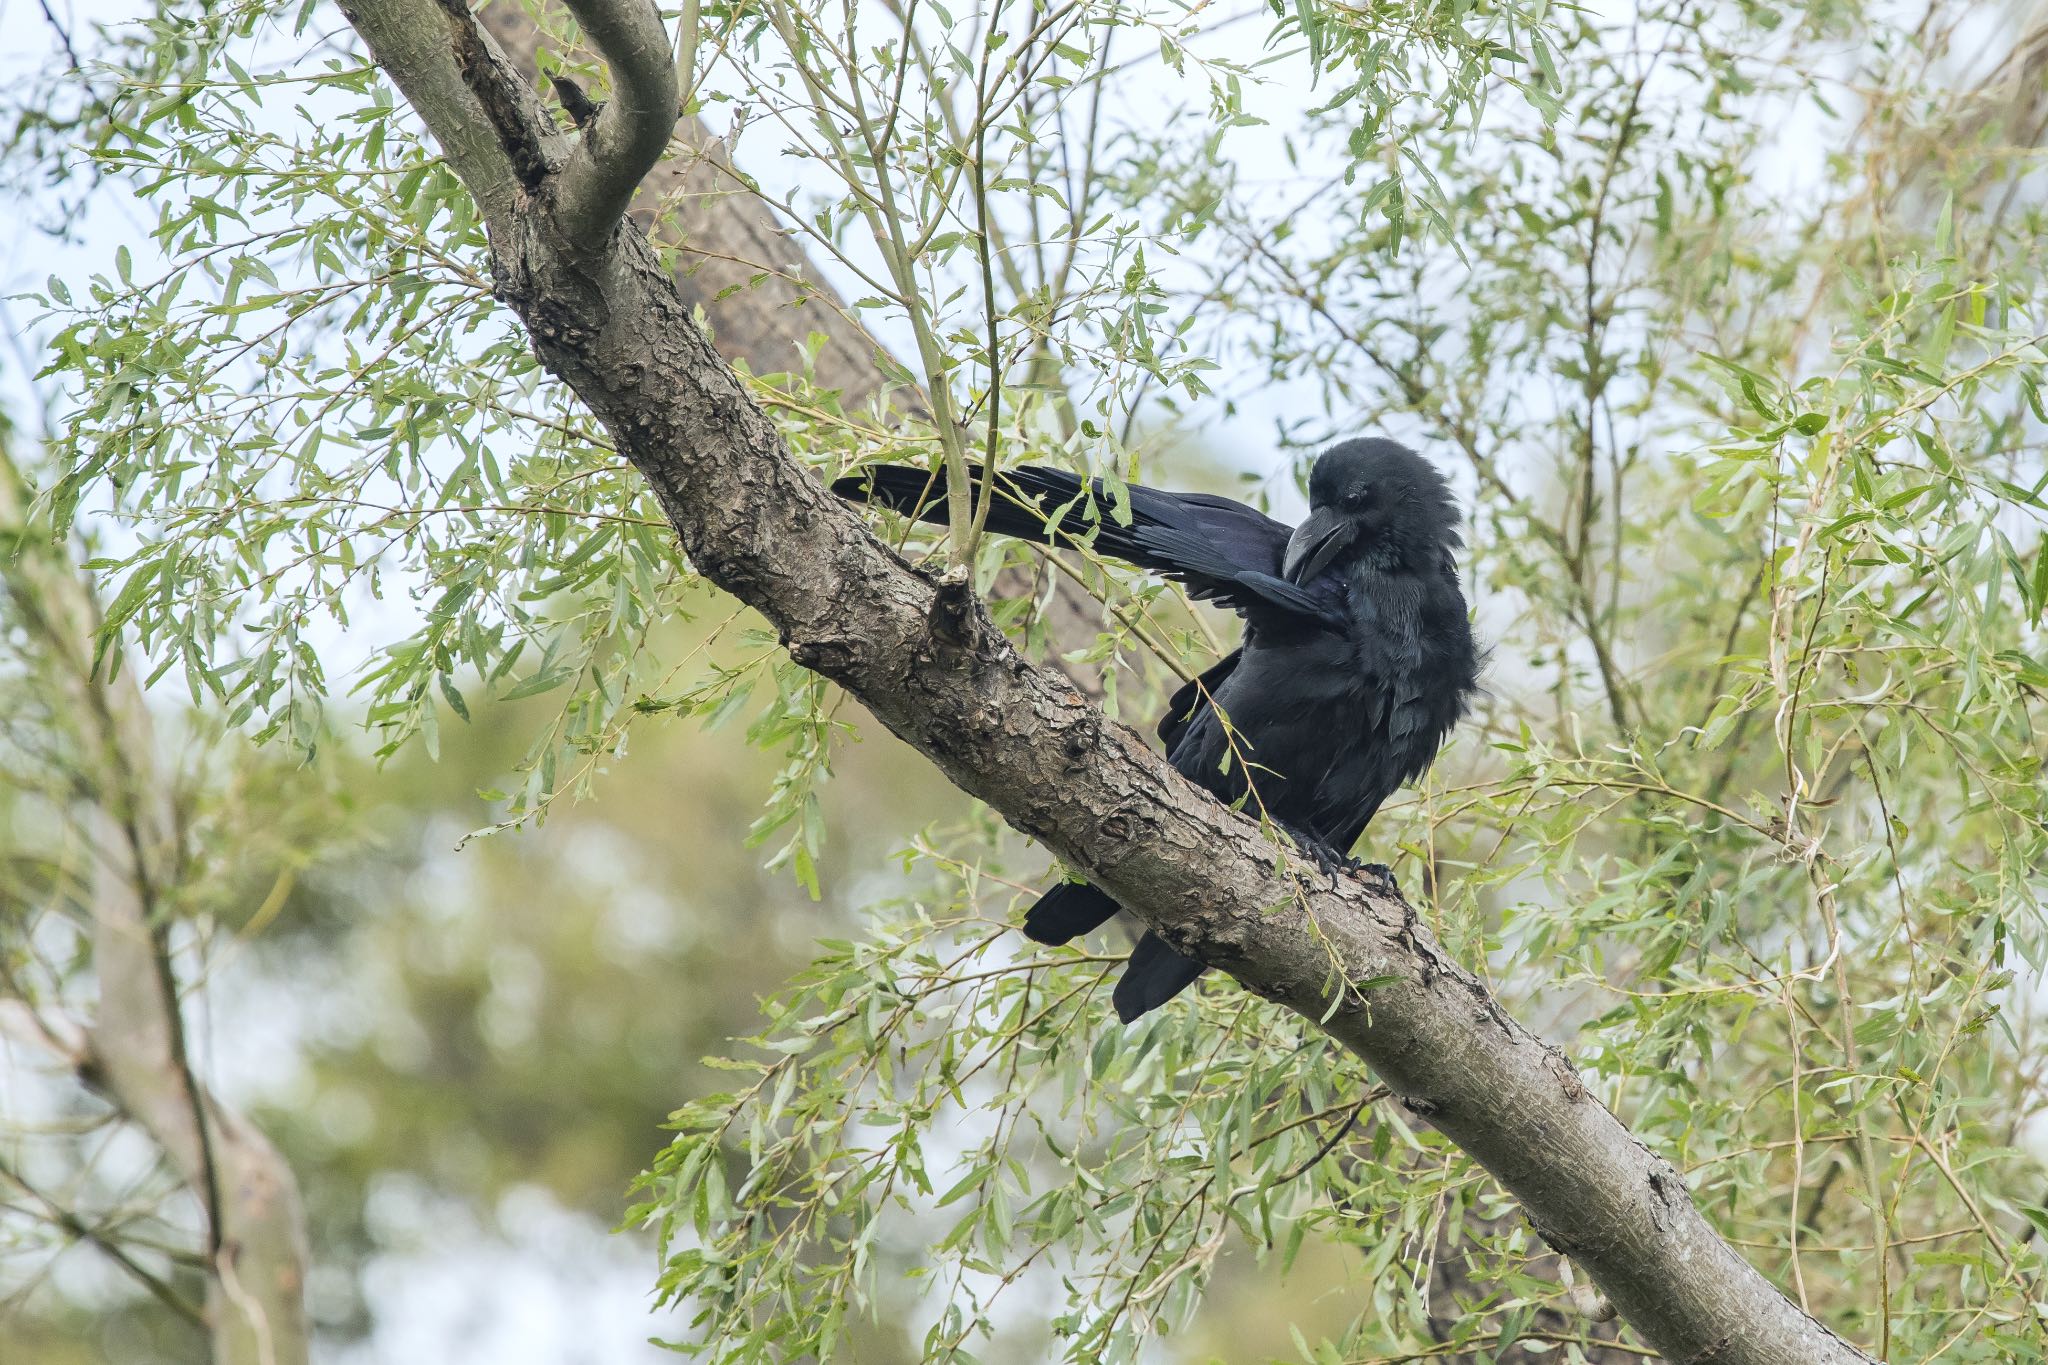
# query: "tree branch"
{"points": [[756, 522], [108, 1246], [631, 131]]}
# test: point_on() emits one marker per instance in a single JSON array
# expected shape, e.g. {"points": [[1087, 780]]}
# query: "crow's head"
{"points": [[1374, 500]]}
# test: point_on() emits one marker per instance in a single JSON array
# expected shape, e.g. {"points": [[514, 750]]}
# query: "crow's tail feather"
{"points": [[1068, 911], [1154, 975], [1025, 498]]}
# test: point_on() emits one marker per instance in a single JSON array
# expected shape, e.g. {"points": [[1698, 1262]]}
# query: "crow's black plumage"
{"points": [[1356, 661]]}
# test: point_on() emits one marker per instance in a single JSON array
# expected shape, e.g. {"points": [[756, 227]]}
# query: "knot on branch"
{"points": [[1080, 742], [951, 615], [1567, 1077], [1120, 825], [831, 657], [1669, 1197], [1424, 1108], [580, 108]]}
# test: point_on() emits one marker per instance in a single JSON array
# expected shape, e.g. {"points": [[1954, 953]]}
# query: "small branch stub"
{"points": [[628, 133], [952, 609], [580, 108]]}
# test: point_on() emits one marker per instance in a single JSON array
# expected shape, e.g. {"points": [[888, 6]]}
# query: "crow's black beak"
{"points": [[1315, 543]]}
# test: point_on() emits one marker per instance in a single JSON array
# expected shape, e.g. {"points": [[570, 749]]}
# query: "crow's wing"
{"points": [[1224, 551]]}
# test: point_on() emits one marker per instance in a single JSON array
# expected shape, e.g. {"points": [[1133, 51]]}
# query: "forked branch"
{"points": [[631, 130]]}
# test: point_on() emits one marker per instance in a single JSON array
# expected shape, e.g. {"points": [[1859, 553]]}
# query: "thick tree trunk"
{"points": [[921, 655]]}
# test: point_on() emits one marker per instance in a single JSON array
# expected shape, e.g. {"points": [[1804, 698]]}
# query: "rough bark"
{"points": [[922, 656], [133, 1050]]}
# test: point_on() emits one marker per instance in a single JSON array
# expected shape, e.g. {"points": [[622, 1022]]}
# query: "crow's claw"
{"points": [[1319, 851]]}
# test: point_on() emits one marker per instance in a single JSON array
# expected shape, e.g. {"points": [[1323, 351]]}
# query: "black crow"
{"points": [[1356, 661]]}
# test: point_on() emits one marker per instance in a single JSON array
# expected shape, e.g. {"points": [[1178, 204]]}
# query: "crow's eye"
{"points": [[1357, 496]]}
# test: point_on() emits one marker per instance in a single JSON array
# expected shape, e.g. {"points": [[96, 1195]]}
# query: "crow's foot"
{"points": [[1381, 873], [1319, 851]]}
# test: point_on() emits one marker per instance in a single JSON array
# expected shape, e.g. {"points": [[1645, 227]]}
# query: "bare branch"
{"points": [[60, 1037], [630, 133], [138, 1037], [107, 1245], [63, 34]]}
